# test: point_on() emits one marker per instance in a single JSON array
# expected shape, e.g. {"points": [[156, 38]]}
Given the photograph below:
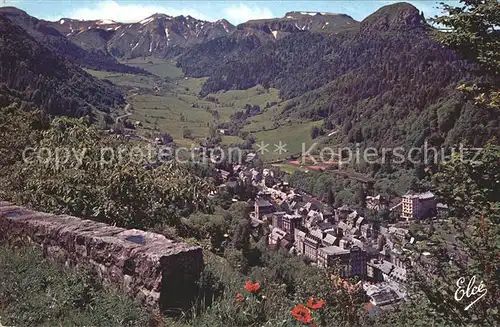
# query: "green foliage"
{"points": [[36, 292], [344, 190], [360, 197], [187, 133], [102, 179], [222, 281], [472, 28], [470, 186], [211, 227], [285, 281], [54, 84], [330, 198], [221, 226], [18, 130], [414, 312], [314, 132]]}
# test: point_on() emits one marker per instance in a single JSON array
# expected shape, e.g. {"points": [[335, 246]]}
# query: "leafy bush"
{"points": [[108, 183]]}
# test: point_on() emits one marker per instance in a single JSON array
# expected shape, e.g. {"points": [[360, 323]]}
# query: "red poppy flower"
{"points": [[302, 314], [252, 287], [315, 305], [240, 298]]}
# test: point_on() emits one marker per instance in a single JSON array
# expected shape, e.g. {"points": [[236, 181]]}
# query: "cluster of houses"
{"points": [[341, 240]]}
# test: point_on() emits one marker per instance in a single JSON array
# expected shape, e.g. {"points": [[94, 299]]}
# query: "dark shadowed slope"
{"points": [[387, 84], [86, 50], [49, 80]]}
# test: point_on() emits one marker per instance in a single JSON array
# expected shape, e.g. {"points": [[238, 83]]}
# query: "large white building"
{"points": [[417, 206]]}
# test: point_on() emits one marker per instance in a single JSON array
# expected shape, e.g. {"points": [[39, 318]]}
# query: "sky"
{"points": [[234, 10]]}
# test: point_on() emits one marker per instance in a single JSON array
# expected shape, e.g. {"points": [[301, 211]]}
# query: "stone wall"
{"points": [[158, 272]]}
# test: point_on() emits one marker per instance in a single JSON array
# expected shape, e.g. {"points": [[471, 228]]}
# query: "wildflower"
{"points": [[302, 314], [252, 287], [240, 298], [315, 305]]}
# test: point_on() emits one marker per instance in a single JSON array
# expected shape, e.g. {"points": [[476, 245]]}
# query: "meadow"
{"points": [[158, 67], [168, 102]]}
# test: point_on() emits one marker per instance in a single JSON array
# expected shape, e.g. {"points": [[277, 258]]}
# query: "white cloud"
{"points": [[130, 13], [242, 13]]}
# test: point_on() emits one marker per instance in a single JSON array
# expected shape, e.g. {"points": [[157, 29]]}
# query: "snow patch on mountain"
{"points": [[106, 22], [147, 20]]}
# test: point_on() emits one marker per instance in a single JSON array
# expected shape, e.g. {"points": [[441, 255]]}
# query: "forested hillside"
{"points": [[47, 79], [91, 56], [379, 83]]}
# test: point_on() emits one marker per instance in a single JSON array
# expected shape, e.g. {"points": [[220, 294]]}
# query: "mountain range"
{"points": [[99, 42], [384, 82], [384, 77]]}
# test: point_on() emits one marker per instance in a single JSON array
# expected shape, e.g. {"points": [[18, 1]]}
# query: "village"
{"points": [[340, 240]]}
